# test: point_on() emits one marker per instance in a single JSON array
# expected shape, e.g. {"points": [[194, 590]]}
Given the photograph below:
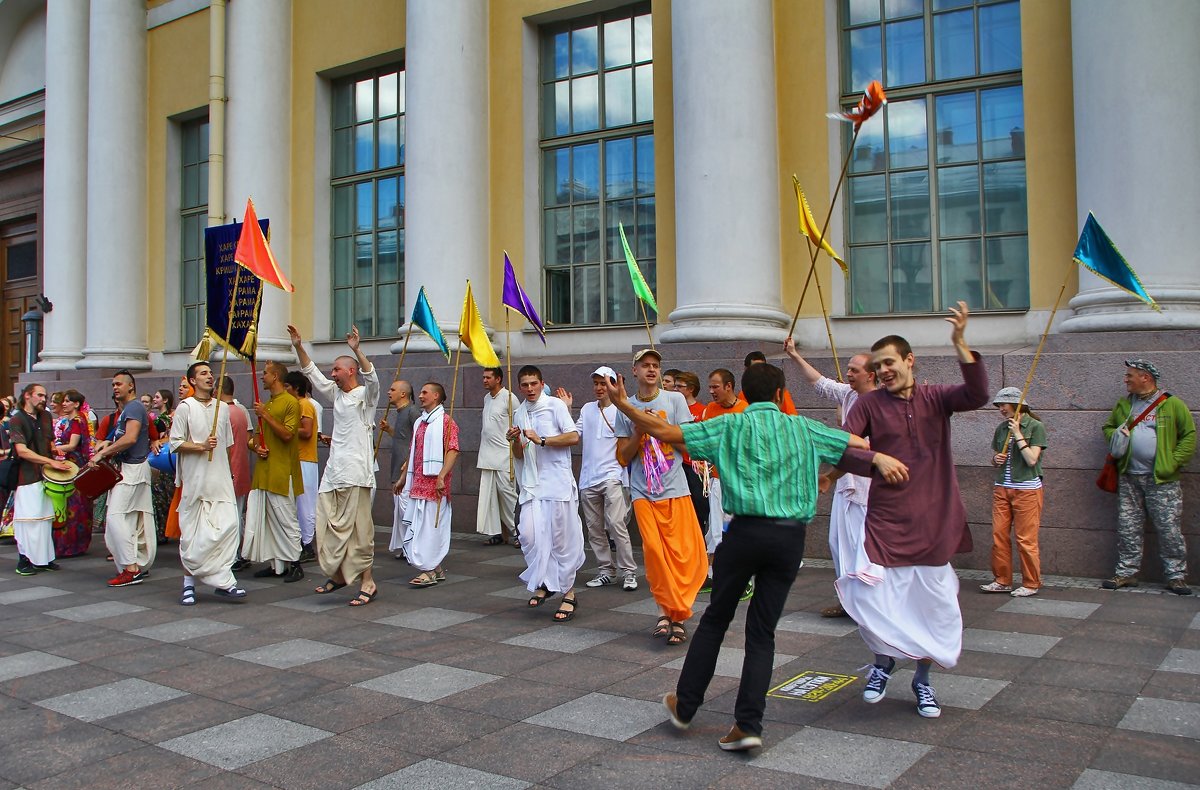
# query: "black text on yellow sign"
{"points": [[811, 686]]}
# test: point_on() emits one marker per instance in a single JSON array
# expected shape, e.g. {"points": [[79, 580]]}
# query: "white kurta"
{"points": [[208, 519], [497, 491], [351, 452], [551, 531]]}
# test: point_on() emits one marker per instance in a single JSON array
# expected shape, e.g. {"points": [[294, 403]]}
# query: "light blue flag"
{"points": [[1096, 253], [422, 318]]}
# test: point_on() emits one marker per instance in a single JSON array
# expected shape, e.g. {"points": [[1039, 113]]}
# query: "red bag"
{"points": [[96, 480]]}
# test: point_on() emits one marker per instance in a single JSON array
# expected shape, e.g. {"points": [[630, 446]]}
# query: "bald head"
{"points": [[345, 373]]}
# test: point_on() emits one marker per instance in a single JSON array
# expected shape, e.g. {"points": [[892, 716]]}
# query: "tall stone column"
{"points": [[726, 173], [446, 214], [1135, 152], [117, 332], [258, 145], [64, 195]]}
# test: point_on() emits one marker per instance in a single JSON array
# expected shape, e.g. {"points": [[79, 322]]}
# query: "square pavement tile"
{"points": [[955, 691], [1075, 610], [1007, 642], [313, 603], [511, 561], [644, 606], [30, 594], [292, 653], [30, 663], [110, 699], [604, 716], [1181, 660], [181, 630], [243, 741], [436, 775], [1195, 622], [812, 623], [729, 662], [1165, 717], [427, 682], [1091, 779], [563, 639], [842, 757], [516, 593], [430, 618], [96, 611]]}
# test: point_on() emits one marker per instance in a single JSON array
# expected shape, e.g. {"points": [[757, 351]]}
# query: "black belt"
{"points": [[776, 522]]}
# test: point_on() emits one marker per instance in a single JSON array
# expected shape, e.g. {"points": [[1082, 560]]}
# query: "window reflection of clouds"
{"points": [[861, 11], [908, 136], [906, 52], [583, 50], [865, 57], [618, 43], [618, 97]]}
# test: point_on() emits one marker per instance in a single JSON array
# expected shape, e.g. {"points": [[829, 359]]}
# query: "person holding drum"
{"points": [[73, 511], [31, 434]]}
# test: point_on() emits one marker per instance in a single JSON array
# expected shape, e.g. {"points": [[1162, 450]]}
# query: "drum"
{"points": [[163, 460], [59, 485], [96, 480]]}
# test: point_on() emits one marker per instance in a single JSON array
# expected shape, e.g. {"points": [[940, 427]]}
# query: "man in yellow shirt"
{"points": [[272, 529], [310, 426]]}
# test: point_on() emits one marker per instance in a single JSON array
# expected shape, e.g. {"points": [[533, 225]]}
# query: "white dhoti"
{"points": [[906, 612], [208, 541], [426, 533], [129, 522], [33, 515], [306, 503], [847, 532], [497, 502], [272, 530], [552, 542], [399, 505], [718, 519]]}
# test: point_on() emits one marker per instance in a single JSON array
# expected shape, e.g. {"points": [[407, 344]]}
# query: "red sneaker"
{"points": [[125, 578]]}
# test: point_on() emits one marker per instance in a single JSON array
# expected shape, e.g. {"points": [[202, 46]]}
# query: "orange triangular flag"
{"points": [[253, 253]]}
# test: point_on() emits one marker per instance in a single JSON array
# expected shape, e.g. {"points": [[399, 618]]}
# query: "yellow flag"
{"points": [[808, 226], [473, 335]]}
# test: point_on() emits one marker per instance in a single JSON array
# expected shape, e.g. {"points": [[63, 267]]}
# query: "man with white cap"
{"points": [[604, 485], [1152, 435]]}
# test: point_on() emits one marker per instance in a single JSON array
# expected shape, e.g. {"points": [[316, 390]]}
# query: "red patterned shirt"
{"points": [[425, 486]]}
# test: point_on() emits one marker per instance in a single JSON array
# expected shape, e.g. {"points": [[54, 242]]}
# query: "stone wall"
{"points": [[1077, 382]]}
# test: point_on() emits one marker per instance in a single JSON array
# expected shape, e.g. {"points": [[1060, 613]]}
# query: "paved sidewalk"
{"points": [[459, 685]]}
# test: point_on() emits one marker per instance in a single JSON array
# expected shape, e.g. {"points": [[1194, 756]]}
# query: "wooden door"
{"points": [[20, 286]]}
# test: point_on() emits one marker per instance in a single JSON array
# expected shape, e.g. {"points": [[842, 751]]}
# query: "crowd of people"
{"points": [[721, 492]]}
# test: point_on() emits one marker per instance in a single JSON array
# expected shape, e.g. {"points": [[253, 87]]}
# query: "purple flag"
{"points": [[516, 298]]}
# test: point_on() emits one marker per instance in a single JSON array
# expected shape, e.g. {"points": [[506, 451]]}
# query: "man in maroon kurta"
{"points": [[906, 598]]}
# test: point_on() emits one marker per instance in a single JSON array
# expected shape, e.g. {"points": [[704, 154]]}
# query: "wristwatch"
{"points": [[543, 441]]}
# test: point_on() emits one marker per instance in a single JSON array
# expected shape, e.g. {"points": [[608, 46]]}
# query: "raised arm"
{"points": [[298, 345], [643, 421], [810, 374]]}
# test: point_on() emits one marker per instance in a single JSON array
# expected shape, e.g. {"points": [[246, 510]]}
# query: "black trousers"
{"points": [[770, 551]]}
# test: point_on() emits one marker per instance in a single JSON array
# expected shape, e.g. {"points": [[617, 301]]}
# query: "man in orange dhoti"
{"points": [[676, 563]]}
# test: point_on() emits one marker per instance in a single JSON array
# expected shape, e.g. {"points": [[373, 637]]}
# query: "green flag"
{"points": [[640, 288]]}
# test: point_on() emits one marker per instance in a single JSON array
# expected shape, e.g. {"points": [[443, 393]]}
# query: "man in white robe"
{"points": [[32, 437], [426, 494], [208, 518], [848, 513], [497, 508], [129, 530], [551, 534], [345, 530]]}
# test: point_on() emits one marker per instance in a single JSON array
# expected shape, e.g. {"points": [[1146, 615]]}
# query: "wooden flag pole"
{"points": [[825, 227], [825, 314], [437, 515], [237, 278], [508, 361], [388, 409], [1041, 344], [646, 318]]}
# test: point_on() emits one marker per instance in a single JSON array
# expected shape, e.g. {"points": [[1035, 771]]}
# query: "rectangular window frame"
{"points": [[193, 219]]}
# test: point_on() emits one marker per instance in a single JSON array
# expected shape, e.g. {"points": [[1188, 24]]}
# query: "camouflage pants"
{"points": [[1138, 495]]}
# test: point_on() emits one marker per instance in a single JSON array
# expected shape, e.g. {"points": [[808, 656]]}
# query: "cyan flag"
{"points": [[422, 318], [1096, 253]]}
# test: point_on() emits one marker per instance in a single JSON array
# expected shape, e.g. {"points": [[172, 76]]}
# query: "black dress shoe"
{"points": [[294, 574], [268, 573]]}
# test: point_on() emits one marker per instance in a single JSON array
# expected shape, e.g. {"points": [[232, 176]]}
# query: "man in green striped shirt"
{"points": [[768, 462]]}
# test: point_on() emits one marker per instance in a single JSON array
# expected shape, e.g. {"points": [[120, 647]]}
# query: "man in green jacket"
{"points": [[1149, 457]]}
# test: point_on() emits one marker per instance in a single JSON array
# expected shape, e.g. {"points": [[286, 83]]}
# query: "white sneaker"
{"points": [[601, 580], [1024, 592], [630, 582]]}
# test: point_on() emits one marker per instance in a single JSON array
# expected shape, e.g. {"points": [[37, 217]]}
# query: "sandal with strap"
{"points": [[494, 540], [662, 627], [329, 586], [423, 579], [363, 598], [678, 634], [536, 600], [563, 615], [188, 596]]}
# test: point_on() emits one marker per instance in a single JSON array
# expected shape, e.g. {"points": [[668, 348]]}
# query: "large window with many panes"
{"points": [[368, 202], [936, 195], [193, 219], [597, 141]]}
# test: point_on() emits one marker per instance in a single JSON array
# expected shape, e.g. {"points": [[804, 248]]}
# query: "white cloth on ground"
{"points": [[552, 542], [351, 452], [33, 517], [906, 612], [426, 533]]}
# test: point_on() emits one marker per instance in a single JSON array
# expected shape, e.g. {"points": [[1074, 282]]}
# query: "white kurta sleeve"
{"points": [[179, 431], [321, 385]]}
